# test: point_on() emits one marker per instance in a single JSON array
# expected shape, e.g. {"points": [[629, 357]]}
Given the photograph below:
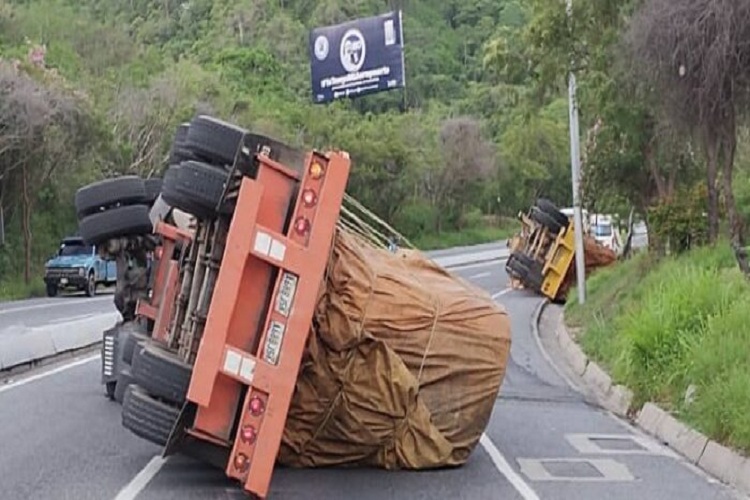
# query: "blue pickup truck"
{"points": [[78, 266]]}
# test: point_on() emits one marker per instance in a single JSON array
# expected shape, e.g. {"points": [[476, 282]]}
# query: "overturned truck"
{"points": [[542, 254], [265, 321]]}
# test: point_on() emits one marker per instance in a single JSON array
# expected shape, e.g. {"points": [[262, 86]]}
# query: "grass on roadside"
{"points": [[471, 236], [14, 288], [663, 327]]}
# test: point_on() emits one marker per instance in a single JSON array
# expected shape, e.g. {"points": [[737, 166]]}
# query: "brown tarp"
{"points": [[595, 256], [403, 366]]}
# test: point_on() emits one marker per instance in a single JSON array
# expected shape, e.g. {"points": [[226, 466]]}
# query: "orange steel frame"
{"points": [[230, 359], [159, 308]]}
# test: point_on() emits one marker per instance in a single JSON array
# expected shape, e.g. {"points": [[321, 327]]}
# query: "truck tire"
{"points": [[125, 190], [546, 220], [214, 140], [196, 188], [551, 209], [277, 151], [114, 223], [153, 189], [161, 373], [533, 277], [124, 380], [90, 287], [52, 290], [147, 417], [110, 389], [516, 268], [179, 152], [180, 134], [129, 340]]}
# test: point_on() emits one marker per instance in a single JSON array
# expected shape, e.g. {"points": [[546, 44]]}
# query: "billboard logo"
{"points": [[353, 50], [321, 47]]}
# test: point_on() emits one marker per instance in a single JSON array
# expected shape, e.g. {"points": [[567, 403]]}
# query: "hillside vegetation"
{"points": [[102, 85], [676, 333], [91, 89]]}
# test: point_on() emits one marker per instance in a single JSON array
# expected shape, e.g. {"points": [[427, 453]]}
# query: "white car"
{"points": [[584, 215], [605, 232]]}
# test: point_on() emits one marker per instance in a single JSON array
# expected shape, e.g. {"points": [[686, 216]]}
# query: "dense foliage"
{"points": [[479, 132], [136, 69]]}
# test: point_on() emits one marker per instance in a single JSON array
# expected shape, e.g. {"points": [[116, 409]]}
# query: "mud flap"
{"points": [[179, 431], [181, 442]]}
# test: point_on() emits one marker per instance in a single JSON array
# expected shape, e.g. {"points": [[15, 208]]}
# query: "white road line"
{"points": [[68, 319], [501, 293], [46, 374], [502, 465], [141, 480], [480, 275], [468, 266], [62, 302]]}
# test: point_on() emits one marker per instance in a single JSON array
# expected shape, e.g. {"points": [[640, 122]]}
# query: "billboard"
{"points": [[358, 57]]}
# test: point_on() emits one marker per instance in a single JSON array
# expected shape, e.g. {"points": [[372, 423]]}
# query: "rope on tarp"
{"points": [[358, 219]]}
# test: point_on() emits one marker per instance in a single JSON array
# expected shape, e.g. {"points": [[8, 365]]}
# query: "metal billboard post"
{"points": [[575, 167]]}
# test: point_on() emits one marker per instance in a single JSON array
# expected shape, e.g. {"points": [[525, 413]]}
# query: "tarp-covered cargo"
{"points": [[595, 255], [403, 367]]}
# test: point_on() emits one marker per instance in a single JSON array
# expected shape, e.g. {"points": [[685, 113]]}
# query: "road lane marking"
{"points": [[476, 265], [480, 275], [501, 293], [608, 470], [68, 319], [62, 302], [141, 480], [506, 470], [586, 444], [54, 371]]}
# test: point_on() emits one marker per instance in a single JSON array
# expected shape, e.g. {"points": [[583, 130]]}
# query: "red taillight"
{"points": [[309, 197], [301, 225], [249, 434], [256, 406], [241, 462]]}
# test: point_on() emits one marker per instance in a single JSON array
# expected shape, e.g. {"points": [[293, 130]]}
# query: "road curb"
{"points": [[717, 460]]}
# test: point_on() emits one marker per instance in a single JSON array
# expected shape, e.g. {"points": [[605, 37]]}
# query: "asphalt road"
{"points": [[61, 439], [41, 312]]}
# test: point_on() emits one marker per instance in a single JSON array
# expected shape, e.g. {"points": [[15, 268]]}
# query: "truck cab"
{"points": [[77, 265]]}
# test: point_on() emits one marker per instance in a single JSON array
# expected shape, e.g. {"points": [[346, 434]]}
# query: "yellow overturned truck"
{"points": [[542, 253]]}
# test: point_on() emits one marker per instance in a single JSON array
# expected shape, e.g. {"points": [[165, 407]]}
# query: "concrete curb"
{"points": [[25, 346], [719, 461]]}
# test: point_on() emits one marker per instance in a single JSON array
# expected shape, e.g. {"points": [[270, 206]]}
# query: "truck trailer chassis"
{"points": [[208, 365]]}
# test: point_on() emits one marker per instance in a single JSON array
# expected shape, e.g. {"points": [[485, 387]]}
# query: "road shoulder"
{"points": [[590, 379]]}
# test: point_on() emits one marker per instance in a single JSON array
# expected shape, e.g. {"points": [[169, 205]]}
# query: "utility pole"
{"points": [[575, 167], [2, 226]]}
